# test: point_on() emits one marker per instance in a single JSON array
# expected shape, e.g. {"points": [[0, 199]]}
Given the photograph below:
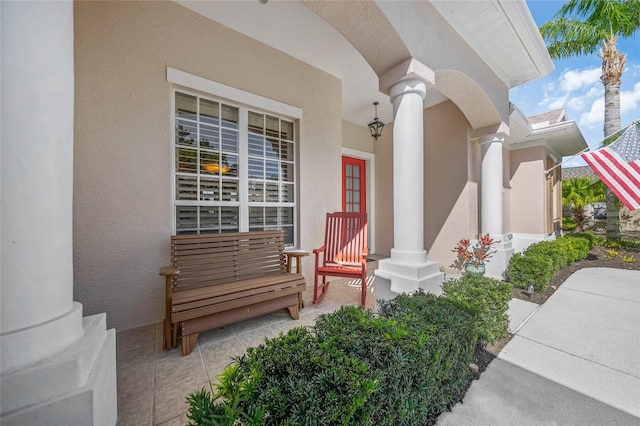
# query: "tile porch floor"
{"points": [[153, 383]]}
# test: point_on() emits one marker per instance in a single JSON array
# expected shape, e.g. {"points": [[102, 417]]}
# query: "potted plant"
{"points": [[472, 255]]}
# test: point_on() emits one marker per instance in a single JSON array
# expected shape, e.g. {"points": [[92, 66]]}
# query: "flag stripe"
{"points": [[605, 176], [620, 180], [624, 175], [616, 176]]}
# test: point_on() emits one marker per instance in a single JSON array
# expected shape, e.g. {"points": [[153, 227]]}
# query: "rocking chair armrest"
{"points": [[363, 255], [169, 270], [319, 250]]}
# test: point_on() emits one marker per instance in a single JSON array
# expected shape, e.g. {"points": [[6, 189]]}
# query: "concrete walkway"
{"points": [[575, 360]]}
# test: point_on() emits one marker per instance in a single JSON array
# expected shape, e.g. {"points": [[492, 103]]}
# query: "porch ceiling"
{"points": [[296, 30], [502, 33]]}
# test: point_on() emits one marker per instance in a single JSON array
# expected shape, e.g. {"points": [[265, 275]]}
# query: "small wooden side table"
{"points": [[297, 255]]}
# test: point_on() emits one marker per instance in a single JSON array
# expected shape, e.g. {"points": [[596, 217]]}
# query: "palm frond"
{"points": [[568, 37], [615, 17]]}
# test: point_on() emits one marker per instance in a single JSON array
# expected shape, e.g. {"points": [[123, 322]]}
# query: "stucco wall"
{"points": [[451, 181], [527, 195], [123, 142], [358, 137]]}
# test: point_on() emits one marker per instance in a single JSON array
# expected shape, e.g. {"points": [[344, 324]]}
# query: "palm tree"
{"points": [[577, 193], [581, 27]]}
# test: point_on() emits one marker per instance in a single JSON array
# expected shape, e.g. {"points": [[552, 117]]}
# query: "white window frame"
{"points": [[194, 85]]}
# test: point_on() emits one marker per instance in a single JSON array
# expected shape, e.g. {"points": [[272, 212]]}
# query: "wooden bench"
{"points": [[219, 279]]}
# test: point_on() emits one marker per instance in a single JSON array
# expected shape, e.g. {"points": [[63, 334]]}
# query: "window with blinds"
{"points": [[234, 168]]}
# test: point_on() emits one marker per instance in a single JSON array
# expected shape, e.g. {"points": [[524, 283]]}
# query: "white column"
{"points": [[408, 171], [491, 212], [49, 354], [408, 269], [491, 185]]}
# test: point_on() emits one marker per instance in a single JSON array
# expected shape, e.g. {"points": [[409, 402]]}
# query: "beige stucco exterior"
{"points": [[123, 145], [451, 184], [123, 141], [527, 189], [529, 199], [439, 72]]}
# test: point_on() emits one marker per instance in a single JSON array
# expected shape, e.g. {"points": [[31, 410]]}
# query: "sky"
{"points": [[575, 85]]}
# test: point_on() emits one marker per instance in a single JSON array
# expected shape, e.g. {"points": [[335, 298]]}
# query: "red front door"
{"points": [[354, 185]]}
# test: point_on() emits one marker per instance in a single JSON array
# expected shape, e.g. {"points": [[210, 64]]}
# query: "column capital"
{"points": [[498, 137], [411, 85], [410, 69]]}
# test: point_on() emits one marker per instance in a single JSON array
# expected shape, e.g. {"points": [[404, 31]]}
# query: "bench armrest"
{"points": [[169, 270]]}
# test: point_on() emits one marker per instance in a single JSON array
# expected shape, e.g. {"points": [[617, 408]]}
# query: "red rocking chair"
{"points": [[344, 253]]}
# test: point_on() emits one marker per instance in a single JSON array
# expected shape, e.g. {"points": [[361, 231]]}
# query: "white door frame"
{"points": [[370, 159]]}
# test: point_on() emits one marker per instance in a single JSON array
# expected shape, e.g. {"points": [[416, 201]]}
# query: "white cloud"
{"points": [[595, 116], [573, 80], [629, 100], [582, 101]]}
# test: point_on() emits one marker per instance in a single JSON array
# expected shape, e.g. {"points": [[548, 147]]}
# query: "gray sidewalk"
{"points": [[574, 361]]}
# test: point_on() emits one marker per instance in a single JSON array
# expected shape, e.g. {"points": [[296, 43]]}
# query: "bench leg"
{"points": [[188, 343], [174, 335], [167, 343], [293, 311]]}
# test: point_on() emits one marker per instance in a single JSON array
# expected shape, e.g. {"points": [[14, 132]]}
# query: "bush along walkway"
{"points": [[405, 365]]}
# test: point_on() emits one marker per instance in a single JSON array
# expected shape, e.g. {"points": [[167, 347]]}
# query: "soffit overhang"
{"points": [[504, 34], [563, 139]]}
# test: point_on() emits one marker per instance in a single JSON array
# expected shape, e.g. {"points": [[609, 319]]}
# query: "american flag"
{"points": [[618, 165]]}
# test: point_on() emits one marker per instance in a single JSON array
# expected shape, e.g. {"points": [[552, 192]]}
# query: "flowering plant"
{"points": [[476, 252]]}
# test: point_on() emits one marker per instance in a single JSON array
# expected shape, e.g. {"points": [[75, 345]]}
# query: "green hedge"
{"points": [[405, 365], [526, 269], [541, 261], [551, 250], [487, 298], [588, 236]]}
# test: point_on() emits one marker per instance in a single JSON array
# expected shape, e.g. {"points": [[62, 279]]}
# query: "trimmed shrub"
{"points": [[530, 268], [558, 255], [487, 298], [579, 246], [419, 349], [402, 367], [588, 236]]}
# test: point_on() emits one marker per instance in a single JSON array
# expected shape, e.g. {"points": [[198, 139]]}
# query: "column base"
{"points": [[393, 278], [76, 386], [497, 265]]}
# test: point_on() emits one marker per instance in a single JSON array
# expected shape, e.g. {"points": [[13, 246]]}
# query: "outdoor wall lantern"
{"points": [[376, 125]]}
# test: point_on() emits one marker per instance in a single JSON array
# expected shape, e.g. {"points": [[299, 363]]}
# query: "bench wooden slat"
{"points": [[225, 278], [233, 302], [219, 290], [238, 314]]}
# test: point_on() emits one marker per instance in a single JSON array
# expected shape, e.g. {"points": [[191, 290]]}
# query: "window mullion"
{"points": [[243, 161]]}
